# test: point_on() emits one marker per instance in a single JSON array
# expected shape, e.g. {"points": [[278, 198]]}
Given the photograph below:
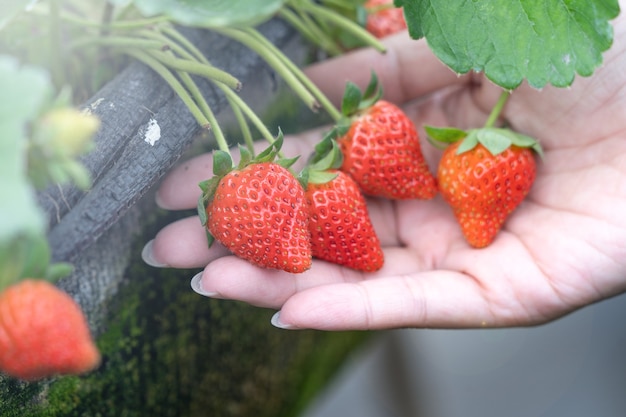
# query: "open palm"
{"points": [[563, 248]]}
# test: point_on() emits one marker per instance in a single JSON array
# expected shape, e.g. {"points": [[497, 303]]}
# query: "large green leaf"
{"points": [[24, 90], [211, 13], [543, 41]]}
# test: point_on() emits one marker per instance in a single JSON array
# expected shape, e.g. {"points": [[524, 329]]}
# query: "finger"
{"points": [[441, 299], [408, 70], [236, 279], [182, 244], [179, 189]]}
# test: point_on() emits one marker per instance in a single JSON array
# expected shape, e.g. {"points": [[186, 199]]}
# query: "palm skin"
{"points": [[562, 249]]}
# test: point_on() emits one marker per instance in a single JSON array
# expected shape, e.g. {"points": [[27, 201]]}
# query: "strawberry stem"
{"points": [[189, 52], [243, 124], [310, 30], [293, 76], [273, 60], [497, 109], [173, 83], [348, 25], [206, 110], [301, 76]]}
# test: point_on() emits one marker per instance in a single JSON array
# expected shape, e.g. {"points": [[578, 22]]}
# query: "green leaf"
{"points": [[321, 177], [211, 13], [222, 163], [351, 99], [373, 89], [545, 42], [287, 162], [201, 208], [445, 134], [24, 91], [469, 143], [495, 140], [245, 156]]}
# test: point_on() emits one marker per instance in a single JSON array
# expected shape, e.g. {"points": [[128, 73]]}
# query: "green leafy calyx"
{"points": [[325, 160], [495, 140], [354, 100]]}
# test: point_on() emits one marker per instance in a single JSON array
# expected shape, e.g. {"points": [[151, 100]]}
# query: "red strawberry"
{"points": [[383, 19], [341, 230], [43, 332], [381, 147], [484, 177], [258, 211]]}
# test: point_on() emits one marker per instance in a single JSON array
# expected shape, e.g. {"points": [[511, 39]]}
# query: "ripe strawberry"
{"points": [[258, 211], [341, 230], [383, 19], [484, 177], [381, 147], [43, 332]]}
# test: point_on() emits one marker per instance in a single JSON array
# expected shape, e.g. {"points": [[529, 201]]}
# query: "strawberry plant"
{"points": [[259, 208]]}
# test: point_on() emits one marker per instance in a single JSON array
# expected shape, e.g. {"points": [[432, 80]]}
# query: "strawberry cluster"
{"points": [[274, 218]]}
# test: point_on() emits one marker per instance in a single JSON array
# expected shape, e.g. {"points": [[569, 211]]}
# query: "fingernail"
{"points": [[159, 201], [146, 255], [197, 287], [277, 323]]}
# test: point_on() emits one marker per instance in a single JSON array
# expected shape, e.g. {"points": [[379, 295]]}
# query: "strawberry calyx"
{"points": [[323, 163], [355, 102], [495, 140], [223, 164]]}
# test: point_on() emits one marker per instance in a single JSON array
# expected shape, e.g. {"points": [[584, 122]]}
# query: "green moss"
{"points": [[170, 352]]}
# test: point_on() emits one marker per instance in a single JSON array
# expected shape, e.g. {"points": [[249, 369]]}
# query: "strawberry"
{"points": [[383, 19], [484, 175], [43, 332], [258, 211], [340, 226], [381, 147]]}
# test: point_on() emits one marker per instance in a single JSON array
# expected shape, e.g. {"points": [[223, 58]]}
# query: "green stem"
{"points": [[179, 39], [252, 116], [206, 110], [348, 25], [310, 30], [187, 50], [167, 75], [155, 47], [56, 50], [274, 61], [334, 113], [120, 42], [195, 67], [497, 109], [243, 125]]}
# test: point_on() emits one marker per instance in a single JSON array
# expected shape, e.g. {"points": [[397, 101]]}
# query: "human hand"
{"points": [[563, 248]]}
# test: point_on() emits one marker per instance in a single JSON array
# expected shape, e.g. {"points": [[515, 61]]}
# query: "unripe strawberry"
{"points": [[68, 131]]}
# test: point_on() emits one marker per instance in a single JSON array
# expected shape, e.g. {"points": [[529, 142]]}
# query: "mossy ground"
{"points": [[170, 352]]}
